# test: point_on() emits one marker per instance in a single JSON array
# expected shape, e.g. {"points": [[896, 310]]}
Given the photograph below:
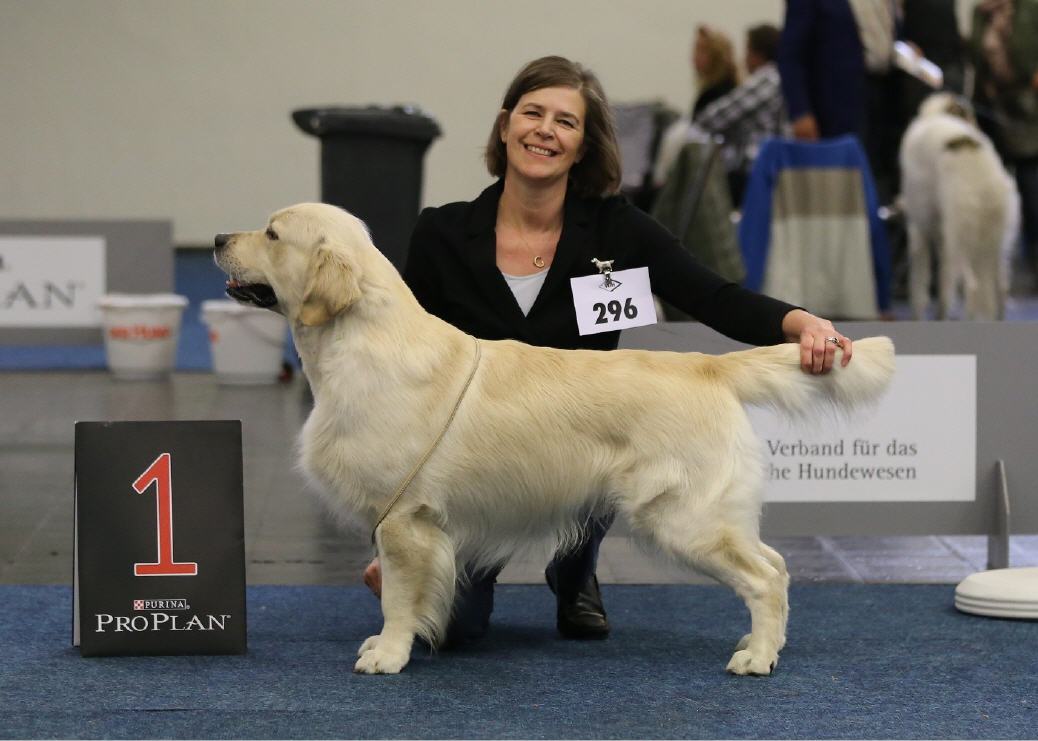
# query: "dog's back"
{"points": [[958, 199]]}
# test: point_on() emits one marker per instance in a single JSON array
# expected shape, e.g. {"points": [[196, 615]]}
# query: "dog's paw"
{"points": [[743, 642], [380, 661], [369, 644], [746, 662]]}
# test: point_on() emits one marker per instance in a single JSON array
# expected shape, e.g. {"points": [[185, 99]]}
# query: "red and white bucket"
{"points": [[248, 343], [141, 333]]}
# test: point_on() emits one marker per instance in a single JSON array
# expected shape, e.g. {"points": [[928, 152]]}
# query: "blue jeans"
{"points": [[570, 570]]}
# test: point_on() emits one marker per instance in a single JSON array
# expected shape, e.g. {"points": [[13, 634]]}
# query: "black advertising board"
{"points": [[159, 565]]}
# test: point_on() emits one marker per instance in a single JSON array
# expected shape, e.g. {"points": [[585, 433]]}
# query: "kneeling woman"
{"points": [[499, 267]]}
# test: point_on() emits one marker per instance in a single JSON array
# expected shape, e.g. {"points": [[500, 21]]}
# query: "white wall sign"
{"points": [[51, 281], [918, 445]]}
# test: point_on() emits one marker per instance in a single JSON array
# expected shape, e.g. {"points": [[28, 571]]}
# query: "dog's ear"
{"points": [[331, 288]]}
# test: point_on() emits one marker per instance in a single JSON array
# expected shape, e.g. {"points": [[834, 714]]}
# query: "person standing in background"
{"points": [[751, 112], [884, 122], [932, 27], [1004, 48], [822, 66], [713, 65]]}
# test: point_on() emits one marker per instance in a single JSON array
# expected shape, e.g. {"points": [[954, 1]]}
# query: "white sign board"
{"points": [[51, 281], [917, 445]]}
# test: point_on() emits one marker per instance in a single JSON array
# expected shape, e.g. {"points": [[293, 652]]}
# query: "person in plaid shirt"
{"points": [[749, 113]]}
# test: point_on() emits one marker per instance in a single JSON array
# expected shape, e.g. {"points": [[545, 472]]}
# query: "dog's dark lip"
{"points": [[255, 294]]}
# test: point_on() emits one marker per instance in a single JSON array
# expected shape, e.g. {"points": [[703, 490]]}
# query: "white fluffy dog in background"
{"points": [[960, 202]]}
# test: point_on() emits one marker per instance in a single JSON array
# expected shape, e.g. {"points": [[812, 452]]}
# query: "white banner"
{"points": [[51, 281], [918, 445]]}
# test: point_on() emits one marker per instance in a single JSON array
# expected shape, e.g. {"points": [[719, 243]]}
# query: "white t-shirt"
{"points": [[525, 288]]}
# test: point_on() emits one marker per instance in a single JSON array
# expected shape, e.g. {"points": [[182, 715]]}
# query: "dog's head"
{"points": [[948, 104], [306, 263]]}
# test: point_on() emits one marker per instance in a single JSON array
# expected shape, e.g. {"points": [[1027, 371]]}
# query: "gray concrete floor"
{"points": [[289, 537]]}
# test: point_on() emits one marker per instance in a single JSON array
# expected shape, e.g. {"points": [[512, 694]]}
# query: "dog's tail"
{"points": [[771, 376]]}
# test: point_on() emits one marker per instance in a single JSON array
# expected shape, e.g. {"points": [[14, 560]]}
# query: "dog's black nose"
{"points": [[222, 239]]}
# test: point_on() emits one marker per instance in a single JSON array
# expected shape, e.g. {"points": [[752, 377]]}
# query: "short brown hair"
{"points": [[598, 172], [764, 40]]}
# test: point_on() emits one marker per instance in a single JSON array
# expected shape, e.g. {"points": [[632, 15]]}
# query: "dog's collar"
{"points": [[421, 461]]}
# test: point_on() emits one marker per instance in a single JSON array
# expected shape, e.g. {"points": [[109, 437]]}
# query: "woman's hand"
{"points": [[818, 340], [805, 128]]}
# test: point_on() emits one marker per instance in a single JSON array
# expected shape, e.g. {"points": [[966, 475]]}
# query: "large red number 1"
{"points": [[159, 472]]}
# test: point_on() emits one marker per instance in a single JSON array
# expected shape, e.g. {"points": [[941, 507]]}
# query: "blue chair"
{"points": [[810, 232]]}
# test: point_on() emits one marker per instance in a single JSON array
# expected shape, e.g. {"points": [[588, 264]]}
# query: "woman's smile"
{"points": [[540, 150]]}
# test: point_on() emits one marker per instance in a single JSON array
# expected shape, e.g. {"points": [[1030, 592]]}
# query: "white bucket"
{"points": [[141, 333], [248, 343]]}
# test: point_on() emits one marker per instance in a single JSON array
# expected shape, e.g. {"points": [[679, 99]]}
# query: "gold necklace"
{"points": [[538, 261]]}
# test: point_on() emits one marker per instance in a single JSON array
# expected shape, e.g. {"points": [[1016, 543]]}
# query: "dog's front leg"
{"points": [[417, 588]]}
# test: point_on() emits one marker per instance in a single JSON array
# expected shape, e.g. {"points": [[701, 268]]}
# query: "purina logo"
{"points": [[160, 604], [158, 618]]}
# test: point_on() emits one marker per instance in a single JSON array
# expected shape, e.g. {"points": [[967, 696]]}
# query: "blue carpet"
{"points": [[863, 661]]}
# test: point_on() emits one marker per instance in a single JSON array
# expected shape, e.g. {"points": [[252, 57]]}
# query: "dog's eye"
{"points": [[271, 234]]}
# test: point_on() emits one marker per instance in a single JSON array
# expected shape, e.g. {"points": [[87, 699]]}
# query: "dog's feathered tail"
{"points": [[771, 376]]}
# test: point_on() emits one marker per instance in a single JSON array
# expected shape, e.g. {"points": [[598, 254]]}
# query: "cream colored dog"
{"points": [[540, 438], [961, 205]]}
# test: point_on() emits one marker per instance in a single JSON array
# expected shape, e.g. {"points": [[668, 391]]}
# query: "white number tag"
{"points": [[621, 300]]}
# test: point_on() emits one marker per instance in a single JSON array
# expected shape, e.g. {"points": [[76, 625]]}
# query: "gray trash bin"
{"points": [[371, 165]]}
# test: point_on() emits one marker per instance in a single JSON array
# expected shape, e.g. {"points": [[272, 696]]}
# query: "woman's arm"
{"points": [[678, 278], [730, 309]]}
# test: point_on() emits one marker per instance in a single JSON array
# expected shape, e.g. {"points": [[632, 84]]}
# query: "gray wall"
{"points": [[122, 109]]}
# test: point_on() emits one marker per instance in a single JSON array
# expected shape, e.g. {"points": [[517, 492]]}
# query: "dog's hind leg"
{"points": [[779, 564], [418, 573], [985, 299], [739, 562], [918, 270], [737, 558], [949, 273]]}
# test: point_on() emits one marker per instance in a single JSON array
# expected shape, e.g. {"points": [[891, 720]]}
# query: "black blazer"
{"points": [[452, 270]]}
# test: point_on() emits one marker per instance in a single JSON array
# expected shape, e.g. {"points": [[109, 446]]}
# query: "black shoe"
{"points": [[581, 615]]}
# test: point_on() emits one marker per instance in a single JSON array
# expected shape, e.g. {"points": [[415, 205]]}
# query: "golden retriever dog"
{"points": [[960, 205], [533, 439]]}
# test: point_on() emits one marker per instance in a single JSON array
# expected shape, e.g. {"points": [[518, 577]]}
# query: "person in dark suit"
{"points": [[822, 66], [499, 267]]}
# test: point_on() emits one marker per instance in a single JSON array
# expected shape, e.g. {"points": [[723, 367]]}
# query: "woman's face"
{"points": [[544, 133], [700, 57]]}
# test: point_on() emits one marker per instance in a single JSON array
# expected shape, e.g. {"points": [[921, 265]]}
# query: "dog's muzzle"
{"points": [[255, 294]]}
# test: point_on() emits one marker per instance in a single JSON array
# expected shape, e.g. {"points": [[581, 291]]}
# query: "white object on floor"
{"points": [[248, 343], [141, 333], [1005, 593]]}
